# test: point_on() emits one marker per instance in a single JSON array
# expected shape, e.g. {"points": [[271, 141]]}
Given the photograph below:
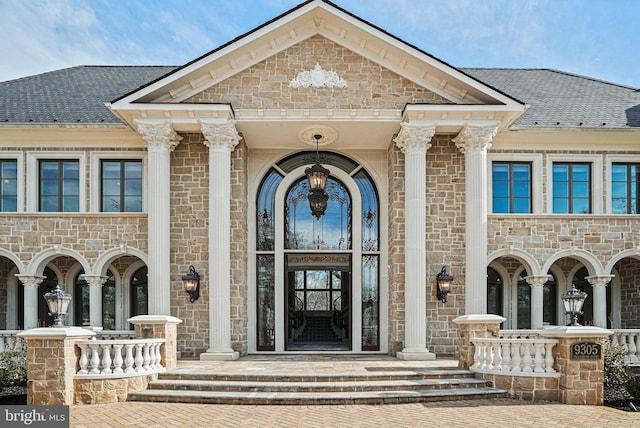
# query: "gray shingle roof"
{"points": [[71, 95], [556, 99], [564, 100]]}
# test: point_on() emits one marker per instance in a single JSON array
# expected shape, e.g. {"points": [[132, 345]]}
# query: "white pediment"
{"points": [[318, 17], [461, 98]]}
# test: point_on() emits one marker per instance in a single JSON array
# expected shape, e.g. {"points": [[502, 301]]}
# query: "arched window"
{"points": [[81, 297], [550, 301], [109, 302]]}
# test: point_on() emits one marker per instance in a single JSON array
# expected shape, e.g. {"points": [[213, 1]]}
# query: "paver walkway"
{"points": [[472, 413]]}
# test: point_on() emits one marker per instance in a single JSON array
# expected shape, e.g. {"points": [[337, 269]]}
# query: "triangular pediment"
{"points": [[322, 18], [387, 80]]}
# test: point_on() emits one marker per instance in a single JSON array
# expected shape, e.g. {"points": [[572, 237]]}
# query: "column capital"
{"points": [[96, 280], [30, 280], [536, 280], [599, 280], [475, 138], [159, 136], [220, 135], [413, 138]]}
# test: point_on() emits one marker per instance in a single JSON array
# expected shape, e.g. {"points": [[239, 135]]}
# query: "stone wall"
{"points": [[395, 234], [189, 245], [445, 241], [266, 84]]}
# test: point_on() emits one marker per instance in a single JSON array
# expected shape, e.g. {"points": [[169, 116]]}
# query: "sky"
{"points": [[595, 38]]}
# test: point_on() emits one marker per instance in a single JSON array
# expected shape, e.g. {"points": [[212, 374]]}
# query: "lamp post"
{"points": [[317, 176], [443, 284], [191, 283], [58, 303], [573, 301]]}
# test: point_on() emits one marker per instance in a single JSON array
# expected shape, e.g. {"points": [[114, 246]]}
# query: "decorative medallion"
{"points": [[318, 78], [329, 135]]}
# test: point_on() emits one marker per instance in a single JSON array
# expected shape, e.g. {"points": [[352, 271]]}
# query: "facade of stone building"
{"points": [[521, 182]]}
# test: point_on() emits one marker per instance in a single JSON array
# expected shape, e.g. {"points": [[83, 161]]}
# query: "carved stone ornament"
{"points": [[329, 135], [29, 280], [475, 138], [159, 136], [318, 78], [220, 135], [413, 138]]}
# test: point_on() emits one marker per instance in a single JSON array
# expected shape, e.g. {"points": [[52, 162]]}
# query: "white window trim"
{"points": [[609, 161], [94, 175], [19, 158], [536, 177], [33, 177], [596, 179]]}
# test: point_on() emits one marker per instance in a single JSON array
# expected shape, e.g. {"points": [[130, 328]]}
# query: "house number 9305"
{"points": [[586, 351]]}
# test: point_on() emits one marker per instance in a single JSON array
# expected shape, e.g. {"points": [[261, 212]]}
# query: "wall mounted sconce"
{"points": [[58, 303], [573, 301], [191, 282], [443, 284]]}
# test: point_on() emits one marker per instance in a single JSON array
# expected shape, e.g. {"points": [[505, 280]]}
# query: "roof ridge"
{"points": [[593, 79]]}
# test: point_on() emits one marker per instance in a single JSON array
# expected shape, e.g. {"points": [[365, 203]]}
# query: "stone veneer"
{"points": [[266, 84]]}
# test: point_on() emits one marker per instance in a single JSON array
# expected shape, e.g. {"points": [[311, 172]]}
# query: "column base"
{"points": [[219, 356], [412, 355]]}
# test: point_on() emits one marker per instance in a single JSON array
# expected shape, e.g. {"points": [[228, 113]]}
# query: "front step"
{"points": [[308, 389]]}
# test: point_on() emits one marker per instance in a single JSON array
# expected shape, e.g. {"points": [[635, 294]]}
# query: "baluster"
{"points": [[84, 360], [506, 357], [548, 357], [117, 359], [623, 344], [515, 353], [484, 356], [128, 359], [527, 359], [615, 340], [497, 358], [633, 349], [95, 359], [2, 343], [152, 356], [106, 359], [138, 357], [476, 357], [538, 360], [636, 336], [159, 356], [146, 357]]}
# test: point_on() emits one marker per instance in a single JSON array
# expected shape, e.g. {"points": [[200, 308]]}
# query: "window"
{"points": [[625, 188], [571, 188], [511, 187], [59, 186], [8, 185], [121, 184]]}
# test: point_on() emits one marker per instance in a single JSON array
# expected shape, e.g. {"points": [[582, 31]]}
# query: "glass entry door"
{"points": [[318, 302]]}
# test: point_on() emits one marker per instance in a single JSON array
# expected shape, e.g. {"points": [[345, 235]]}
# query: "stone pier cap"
{"points": [[576, 331], [154, 319], [57, 332]]}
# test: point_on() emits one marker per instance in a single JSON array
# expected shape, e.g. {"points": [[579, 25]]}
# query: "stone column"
{"points": [[161, 141], [476, 326], [414, 141], [581, 380], [474, 141], [536, 282], [221, 138], [160, 327], [30, 304], [51, 364], [599, 284], [95, 298]]}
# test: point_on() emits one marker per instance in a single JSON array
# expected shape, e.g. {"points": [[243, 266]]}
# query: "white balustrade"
{"points": [[629, 340], [524, 357], [119, 357]]}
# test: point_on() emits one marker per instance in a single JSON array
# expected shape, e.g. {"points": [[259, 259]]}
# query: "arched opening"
{"points": [[325, 265]]}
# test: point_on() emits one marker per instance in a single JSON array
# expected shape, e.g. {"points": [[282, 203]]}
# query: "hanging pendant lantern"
{"points": [[317, 176]]}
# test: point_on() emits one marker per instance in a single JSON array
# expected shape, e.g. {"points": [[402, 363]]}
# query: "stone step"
{"points": [[315, 398], [372, 375], [345, 386]]}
